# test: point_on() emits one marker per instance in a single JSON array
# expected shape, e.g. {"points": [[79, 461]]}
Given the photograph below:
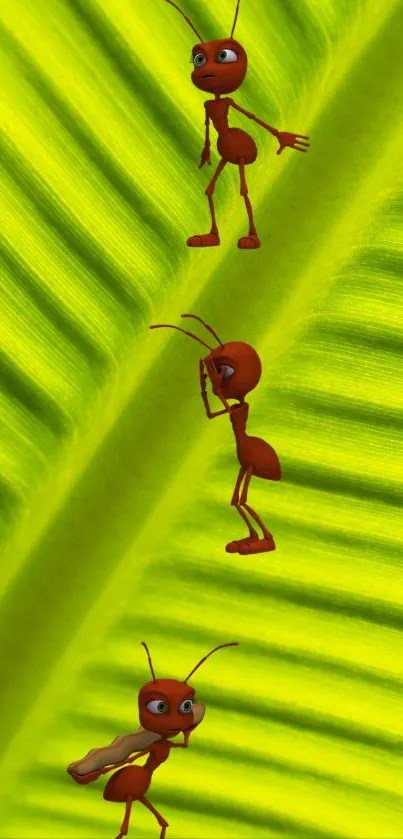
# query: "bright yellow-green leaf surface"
{"points": [[115, 489]]}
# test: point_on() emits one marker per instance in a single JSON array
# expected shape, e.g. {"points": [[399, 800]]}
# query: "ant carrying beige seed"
{"points": [[167, 707]]}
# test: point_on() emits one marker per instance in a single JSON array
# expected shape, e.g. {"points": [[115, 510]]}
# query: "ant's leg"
{"points": [[259, 545], [244, 193], [207, 240], [160, 819], [235, 497], [125, 822], [209, 192], [252, 240], [233, 547]]}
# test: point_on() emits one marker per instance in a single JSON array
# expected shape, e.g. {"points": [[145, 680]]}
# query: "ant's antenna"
{"points": [[191, 335], [186, 18], [235, 18], [232, 644], [206, 325], [149, 660]]}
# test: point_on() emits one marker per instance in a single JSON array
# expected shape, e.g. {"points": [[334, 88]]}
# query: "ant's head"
{"points": [[168, 706], [219, 67], [238, 363], [240, 367]]}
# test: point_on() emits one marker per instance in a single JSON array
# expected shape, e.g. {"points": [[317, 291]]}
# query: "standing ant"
{"points": [[219, 68], [234, 369], [167, 707]]}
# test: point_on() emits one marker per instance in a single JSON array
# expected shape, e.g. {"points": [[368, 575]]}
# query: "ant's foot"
{"points": [[258, 546], [249, 242], [207, 240], [234, 547]]}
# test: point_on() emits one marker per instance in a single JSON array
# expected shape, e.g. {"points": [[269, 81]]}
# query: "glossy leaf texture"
{"points": [[115, 489]]}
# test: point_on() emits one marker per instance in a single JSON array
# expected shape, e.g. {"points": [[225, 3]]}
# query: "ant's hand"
{"points": [[187, 733], [294, 141], [88, 778], [216, 378], [205, 157]]}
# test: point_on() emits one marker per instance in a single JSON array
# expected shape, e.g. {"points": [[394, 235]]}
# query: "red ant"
{"points": [[167, 707], [234, 370], [219, 68]]}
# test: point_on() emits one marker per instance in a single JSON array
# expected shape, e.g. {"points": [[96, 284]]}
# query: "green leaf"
{"points": [[115, 491]]}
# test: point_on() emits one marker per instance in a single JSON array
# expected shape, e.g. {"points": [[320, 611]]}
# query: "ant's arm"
{"points": [[89, 777], [107, 769], [285, 138], [248, 114], [205, 155], [210, 414], [185, 744]]}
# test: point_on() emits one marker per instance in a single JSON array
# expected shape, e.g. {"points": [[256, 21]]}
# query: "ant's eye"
{"points": [[157, 706], [199, 60], [225, 56], [186, 706], [226, 370]]}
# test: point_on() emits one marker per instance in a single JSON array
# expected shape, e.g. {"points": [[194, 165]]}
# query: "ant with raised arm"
{"points": [[234, 369], [219, 68], [167, 707]]}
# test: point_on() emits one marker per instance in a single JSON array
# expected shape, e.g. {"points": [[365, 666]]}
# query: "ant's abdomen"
{"points": [[235, 144], [255, 452], [130, 780]]}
